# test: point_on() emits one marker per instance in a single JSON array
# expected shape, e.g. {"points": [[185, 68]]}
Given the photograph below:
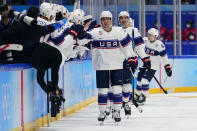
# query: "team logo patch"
{"points": [[156, 45], [100, 32]]}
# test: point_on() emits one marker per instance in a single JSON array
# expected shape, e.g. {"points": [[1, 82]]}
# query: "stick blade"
{"points": [[15, 47]]}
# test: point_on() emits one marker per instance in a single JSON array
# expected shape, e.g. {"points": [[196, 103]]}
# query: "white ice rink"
{"points": [[172, 112]]}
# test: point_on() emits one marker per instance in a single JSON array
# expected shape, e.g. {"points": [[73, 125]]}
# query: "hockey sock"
{"points": [[126, 92], [117, 97], [102, 98]]}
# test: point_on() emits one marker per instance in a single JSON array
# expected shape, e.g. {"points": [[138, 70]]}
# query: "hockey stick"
{"points": [[133, 100], [48, 114], [15, 47], [133, 87], [165, 91], [76, 5]]}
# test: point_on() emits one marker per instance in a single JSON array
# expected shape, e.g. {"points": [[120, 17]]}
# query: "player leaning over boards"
{"points": [[156, 50], [109, 46]]}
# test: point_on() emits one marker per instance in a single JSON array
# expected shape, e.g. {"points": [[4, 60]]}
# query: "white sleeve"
{"points": [[163, 54], [83, 41], [68, 41], [139, 44], [126, 44]]}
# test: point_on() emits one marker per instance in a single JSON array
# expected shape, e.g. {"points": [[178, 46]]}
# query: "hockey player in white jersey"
{"points": [[66, 38], [138, 47], [110, 46], [156, 50], [47, 16], [62, 38]]}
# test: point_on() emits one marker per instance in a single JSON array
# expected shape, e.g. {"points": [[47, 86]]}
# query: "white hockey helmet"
{"points": [[64, 10], [78, 15], [70, 17], [47, 12], [87, 17], [60, 8], [44, 4], [106, 14], [79, 12], [123, 13], [154, 32]]}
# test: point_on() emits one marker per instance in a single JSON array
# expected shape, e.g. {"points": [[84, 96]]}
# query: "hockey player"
{"points": [[58, 38], [156, 50], [110, 46], [138, 47], [87, 21], [47, 16], [65, 39]]}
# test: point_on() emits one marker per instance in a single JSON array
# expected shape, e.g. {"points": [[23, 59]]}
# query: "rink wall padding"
{"points": [[23, 103], [184, 75]]}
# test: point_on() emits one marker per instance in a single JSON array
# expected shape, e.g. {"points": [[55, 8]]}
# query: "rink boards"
{"points": [[23, 103], [184, 75]]}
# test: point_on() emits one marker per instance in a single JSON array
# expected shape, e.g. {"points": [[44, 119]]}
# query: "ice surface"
{"points": [[172, 112]]}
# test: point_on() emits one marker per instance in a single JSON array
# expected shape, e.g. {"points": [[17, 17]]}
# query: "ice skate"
{"points": [[101, 117], [127, 109], [116, 116]]}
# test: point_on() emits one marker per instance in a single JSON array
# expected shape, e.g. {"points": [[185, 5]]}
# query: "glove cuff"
{"points": [[72, 32], [132, 59], [146, 59], [167, 66]]}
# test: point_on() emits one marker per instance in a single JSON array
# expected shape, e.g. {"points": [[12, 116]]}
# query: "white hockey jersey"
{"points": [[157, 53], [137, 41], [59, 39], [63, 41], [43, 22], [109, 49]]}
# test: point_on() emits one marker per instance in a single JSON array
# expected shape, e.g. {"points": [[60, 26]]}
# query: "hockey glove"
{"points": [[168, 70], [73, 31], [132, 61], [147, 63], [81, 32], [88, 45], [82, 35], [58, 16]]}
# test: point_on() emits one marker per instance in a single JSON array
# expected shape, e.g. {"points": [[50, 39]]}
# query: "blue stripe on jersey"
{"points": [[105, 44], [89, 36], [152, 52], [58, 40], [163, 53], [59, 24], [138, 41], [125, 41]]}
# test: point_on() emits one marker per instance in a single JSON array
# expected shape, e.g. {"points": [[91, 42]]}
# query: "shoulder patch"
{"points": [[156, 45], [100, 32], [162, 45]]}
